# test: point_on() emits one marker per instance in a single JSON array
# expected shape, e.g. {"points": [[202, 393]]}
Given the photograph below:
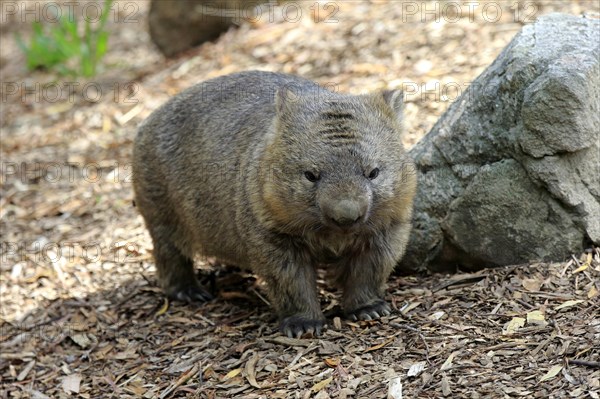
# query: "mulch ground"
{"points": [[80, 312]]}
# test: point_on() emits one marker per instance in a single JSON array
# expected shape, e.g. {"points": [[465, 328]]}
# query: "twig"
{"points": [[584, 363], [182, 380], [509, 270], [261, 297], [470, 280], [418, 332]]}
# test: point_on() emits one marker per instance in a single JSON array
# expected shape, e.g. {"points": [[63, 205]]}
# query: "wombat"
{"points": [[273, 173]]}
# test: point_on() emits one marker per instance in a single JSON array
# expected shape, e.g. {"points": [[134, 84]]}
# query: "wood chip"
{"points": [[322, 384], [70, 383], [23, 374], [446, 391]]}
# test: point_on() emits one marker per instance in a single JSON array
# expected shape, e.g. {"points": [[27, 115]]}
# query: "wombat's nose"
{"points": [[345, 213]]}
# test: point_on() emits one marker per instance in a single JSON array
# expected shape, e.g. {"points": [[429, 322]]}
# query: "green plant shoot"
{"points": [[55, 47]]}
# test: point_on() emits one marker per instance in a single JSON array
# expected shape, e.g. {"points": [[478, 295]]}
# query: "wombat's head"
{"points": [[337, 163]]}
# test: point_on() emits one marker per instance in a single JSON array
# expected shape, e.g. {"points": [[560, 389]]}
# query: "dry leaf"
{"points": [[437, 315], [163, 309], [592, 292], [395, 389], [82, 340], [381, 345], [70, 383], [59, 108], [106, 124], [368, 68], [137, 387], [536, 317], [581, 268], [448, 363], [229, 295], [551, 373], [38, 395], [251, 371], [320, 385], [127, 354], [345, 393], [232, 374], [289, 341], [409, 307], [322, 395], [337, 323], [332, 362], [532, 284], [512, 326], [568, 304], [416, 369], [40, 273], [209, 373], [102, 352], [180, 381], [446, 386]]}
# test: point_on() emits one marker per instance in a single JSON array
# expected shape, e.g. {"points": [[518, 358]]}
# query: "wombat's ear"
{"points": [[395, 99], [285, 97]]}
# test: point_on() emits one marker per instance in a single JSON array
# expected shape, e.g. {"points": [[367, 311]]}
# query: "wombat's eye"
{"points": [[374, 173], [310, 176]]}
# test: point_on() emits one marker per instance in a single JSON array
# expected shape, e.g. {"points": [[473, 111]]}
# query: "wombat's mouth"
{"points": [[350, 227]]}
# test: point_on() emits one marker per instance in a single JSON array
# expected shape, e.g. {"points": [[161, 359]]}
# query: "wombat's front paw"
{"points": [[190, 293], [297, 326], [372, 311]]}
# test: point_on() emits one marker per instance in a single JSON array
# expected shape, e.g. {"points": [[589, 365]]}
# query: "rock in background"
{"points": [[176, 26], [511, 172]]}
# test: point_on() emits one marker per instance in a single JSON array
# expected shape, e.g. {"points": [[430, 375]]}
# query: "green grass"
{"points": [[54, 48]]}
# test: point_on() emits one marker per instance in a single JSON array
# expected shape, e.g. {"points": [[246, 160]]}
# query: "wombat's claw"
{"points": [[297, 326], [373, 311], [192, 293]]}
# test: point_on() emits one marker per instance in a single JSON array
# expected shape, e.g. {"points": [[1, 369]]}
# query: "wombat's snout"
{"points": [[346, 213]]}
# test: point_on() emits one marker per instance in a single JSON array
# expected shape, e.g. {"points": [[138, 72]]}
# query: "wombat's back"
{"points": [[188, 156]]}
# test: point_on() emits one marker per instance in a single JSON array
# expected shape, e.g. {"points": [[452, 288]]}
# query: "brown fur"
{"points": [[272, 173]]}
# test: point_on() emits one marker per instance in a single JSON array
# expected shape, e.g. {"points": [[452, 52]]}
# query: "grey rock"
{"points": [[511, 172], [179, 25]]}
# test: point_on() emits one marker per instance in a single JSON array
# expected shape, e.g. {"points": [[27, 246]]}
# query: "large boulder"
{"points": [[511, 172], [176, 26]]}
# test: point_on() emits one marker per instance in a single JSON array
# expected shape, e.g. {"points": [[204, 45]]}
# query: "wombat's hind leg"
{"points": [[176, 273]]}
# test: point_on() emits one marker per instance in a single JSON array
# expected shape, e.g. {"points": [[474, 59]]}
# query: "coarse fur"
{"points": [[273, 173]]}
